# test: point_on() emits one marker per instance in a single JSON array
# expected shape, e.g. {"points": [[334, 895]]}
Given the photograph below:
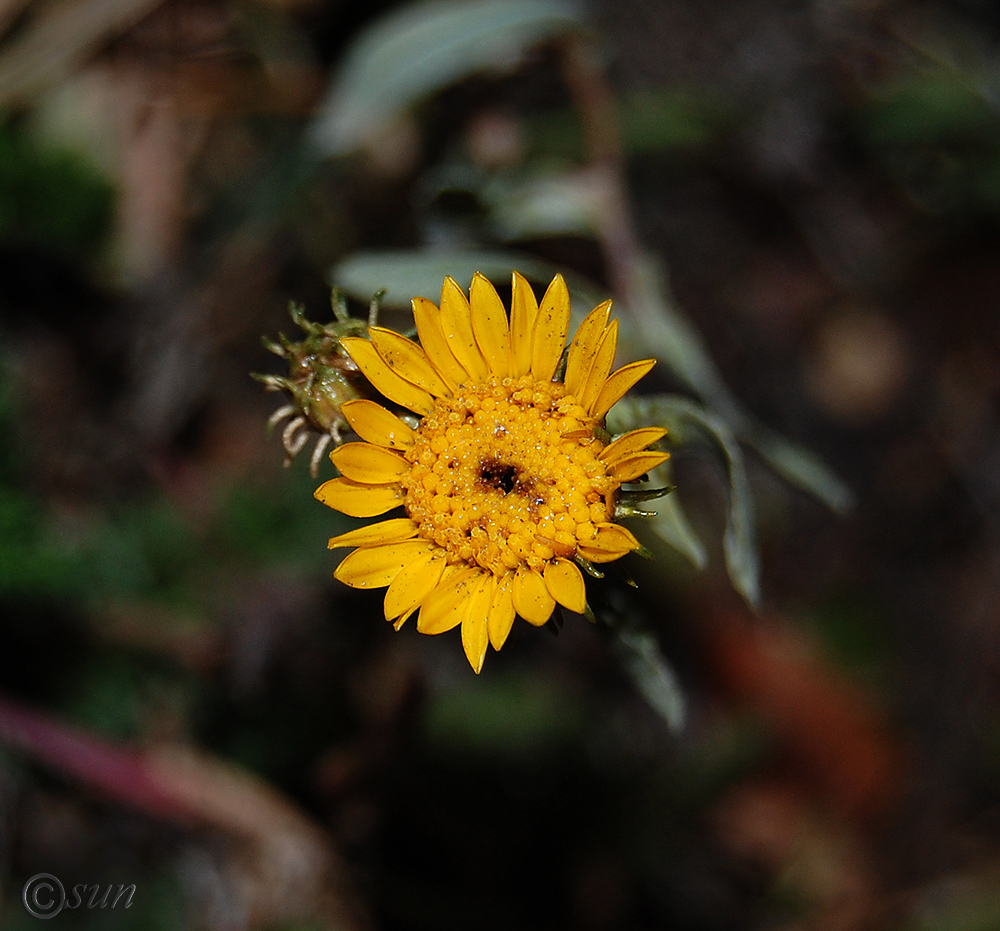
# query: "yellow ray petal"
{"points": [[408, 360], [618, 385], [377, 566], [628, 470], [531, 598], [565, 583], [551, 326], [374, 424], [446, 606], [611, 542], [603, 360], [394, 387], [414, 584], [475, 627], [358, 500], [630, 443], [402, 619], [456, 321], [373, 465], [387, 531], [501, 610], [584, 347], [489, 324], [427, 317], [523, 311]]}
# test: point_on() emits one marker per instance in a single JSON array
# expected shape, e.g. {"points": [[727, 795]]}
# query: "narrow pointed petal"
{"points": [[630, 443], [618, 385], [584, 347], [388, 531], [551, 326], [565, 583], [628, 470], [358, 500], [374, 424], [414, 584], [373, 465], [427, 317], [456, 321], [394, 387], [502, 610], [377, 566], [448, 604], [475, 627], [599, 371], [612, 542], [531, 598], [402, 619], [408, 361], [523, 311], [489, 324]]}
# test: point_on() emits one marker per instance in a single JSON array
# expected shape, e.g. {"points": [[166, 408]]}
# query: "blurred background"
{"points": [[796, 208]]}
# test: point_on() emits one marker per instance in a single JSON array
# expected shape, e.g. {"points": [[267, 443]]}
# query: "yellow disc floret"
{"points": [[507, 474]]}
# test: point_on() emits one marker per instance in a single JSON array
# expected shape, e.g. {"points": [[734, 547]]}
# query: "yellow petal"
{"points": [[448, 604], [611, 542], [475, 627], [489, 324], [599, 371], [402, 619], [388, 531], [377, 566], [628, 470], [584, 347], [618, 385], [394, 387], [630, 443], [373, 423], [414, 584], [551, 326], [427, 317], [501, 610], [531, 598], [408, 360], [358, 500], [456, 321], [565, 583], [523, 311], [373, 465]]}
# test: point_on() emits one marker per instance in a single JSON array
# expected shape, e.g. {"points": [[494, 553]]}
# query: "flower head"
{"points": [[506, 482]]}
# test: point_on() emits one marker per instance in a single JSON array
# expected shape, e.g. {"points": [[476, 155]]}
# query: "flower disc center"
{"points": [[498, 475], [506, 474]]}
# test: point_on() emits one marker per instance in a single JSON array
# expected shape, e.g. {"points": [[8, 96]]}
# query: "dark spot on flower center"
{"points": [[499, 475]]}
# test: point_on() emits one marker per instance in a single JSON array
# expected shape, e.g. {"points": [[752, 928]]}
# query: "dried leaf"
{"points": [[60, 40]]}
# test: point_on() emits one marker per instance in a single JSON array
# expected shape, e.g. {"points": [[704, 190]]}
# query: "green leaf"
{"points": [[653, 676], [673, 527], [739, 540], [565, 204], [800, 468], [422, 48]]}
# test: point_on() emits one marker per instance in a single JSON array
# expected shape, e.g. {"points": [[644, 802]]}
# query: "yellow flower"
{"points": [[505, 482]]}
